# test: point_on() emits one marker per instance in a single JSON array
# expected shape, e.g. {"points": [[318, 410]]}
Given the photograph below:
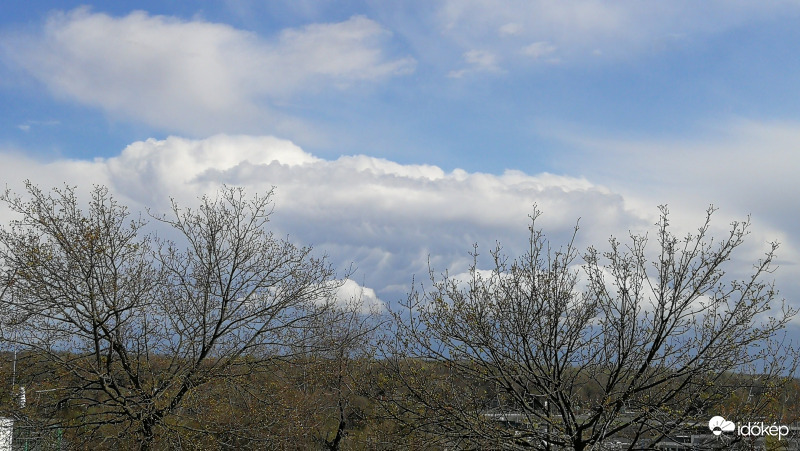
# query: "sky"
{"points": [[398, 134]]}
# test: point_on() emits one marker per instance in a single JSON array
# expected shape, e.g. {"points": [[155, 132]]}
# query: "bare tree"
{"points": [[131, 325], [532, 355], [318, 400], [343, 372]]}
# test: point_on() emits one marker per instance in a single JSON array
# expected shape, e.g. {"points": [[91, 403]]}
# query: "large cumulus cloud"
{"points": [[391, 221], [387, 218]]}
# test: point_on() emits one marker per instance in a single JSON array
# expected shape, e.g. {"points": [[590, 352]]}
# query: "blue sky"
{"points": [[398, 132]]}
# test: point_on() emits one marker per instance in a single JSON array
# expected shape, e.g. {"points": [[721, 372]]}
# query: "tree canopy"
{"points": [[133, 324], [630, 342], [229, 337]]}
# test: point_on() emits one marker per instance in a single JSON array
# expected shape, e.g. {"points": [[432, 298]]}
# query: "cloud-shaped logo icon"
{"points": [[718, 425]]}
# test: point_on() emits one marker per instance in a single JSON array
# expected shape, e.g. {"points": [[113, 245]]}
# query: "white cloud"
{"points": [[27, 126], [346, 52], [352, 295], [581, 29], [392, 219], [152, 170], [481, 58], [197, 77], [538, 49], [742, 163], [510, 28], [387, 218], [742, 167], [478, 61], [17, 167]]}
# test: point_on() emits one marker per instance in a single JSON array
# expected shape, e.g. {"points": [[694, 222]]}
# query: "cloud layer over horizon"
{"points": [[401, 133], [388, 219]]}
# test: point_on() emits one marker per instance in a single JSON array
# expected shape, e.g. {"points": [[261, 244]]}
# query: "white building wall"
{"points": [[6, 433]]}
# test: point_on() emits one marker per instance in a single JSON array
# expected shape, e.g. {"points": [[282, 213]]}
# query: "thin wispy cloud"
{"points": [[584, 31]]}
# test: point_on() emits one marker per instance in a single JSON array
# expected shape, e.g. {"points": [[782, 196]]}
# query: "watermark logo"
{"points": [[718, 425]]}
